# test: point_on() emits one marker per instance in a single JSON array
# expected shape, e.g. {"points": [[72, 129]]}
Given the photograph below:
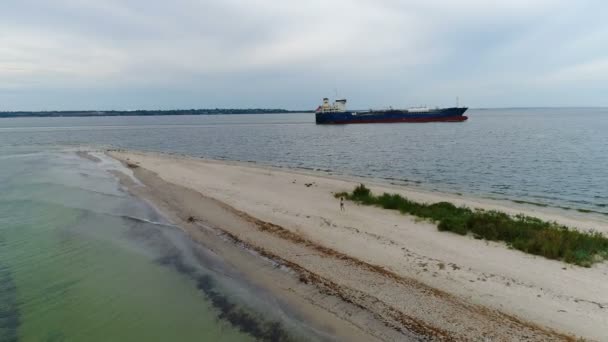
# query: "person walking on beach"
{"points": [[341, 203]]}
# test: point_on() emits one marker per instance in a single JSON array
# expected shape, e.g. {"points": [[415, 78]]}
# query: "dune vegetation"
{"points": [[521, 232]]}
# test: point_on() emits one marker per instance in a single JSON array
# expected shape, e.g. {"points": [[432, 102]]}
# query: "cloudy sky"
{"points": [[152, 54]]}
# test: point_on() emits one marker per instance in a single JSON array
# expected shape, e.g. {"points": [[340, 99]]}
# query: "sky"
{"points": [[152, 54]]}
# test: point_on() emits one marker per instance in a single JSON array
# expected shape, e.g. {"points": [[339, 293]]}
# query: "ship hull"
{"points": [[393, 116]]}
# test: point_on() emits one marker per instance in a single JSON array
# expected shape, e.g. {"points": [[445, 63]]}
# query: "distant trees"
{"points": [[215, 111]]}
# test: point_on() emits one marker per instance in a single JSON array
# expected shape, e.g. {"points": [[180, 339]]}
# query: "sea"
{"points": [[82, 260]]}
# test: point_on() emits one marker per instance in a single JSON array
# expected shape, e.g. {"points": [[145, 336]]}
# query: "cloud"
{"points": [[592, 71], [28, 55], [236, 53]]}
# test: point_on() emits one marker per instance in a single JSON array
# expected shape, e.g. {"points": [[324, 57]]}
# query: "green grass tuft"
{"points": [[521, 232]]}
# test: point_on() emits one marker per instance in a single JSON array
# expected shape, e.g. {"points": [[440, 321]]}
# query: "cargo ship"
{"points": [[336, 113]]}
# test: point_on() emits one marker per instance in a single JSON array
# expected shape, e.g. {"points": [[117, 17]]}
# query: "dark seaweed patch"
{"points": [[176, 261], [242, 318], [150, 234], [245, 320], [10, 318]]}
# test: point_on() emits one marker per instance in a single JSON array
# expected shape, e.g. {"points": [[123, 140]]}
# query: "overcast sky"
{"points": [[152, 54]]}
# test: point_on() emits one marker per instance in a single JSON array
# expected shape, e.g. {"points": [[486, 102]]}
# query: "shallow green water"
{"points": [[79, 261]]}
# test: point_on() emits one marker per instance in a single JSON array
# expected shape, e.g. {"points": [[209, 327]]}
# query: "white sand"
{"points": [[559, 296]]}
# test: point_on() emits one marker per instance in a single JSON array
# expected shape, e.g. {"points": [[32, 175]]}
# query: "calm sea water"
{"points": [[81, 260], [556, 157]]}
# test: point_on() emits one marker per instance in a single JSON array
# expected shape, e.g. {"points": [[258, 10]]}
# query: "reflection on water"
{"points": [[81, 260]]}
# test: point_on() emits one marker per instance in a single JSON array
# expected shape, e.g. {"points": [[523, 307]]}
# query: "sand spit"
{"points": [[310, 305], [383, 272]]}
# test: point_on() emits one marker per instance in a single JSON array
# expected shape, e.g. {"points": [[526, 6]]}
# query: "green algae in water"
{"points": [[71, 274], [71, 288]]}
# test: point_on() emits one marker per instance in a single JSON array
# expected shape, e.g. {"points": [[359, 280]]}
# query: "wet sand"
{"points": [[372, 272], [264, 270], [87, 155]]}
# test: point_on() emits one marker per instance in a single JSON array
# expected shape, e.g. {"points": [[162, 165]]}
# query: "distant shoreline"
{"points": [[214, 111], [95, 113]]}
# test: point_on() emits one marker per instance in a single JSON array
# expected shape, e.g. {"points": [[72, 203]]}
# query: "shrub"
{"points": [[453, 224], [361, 192], [521, 232]]}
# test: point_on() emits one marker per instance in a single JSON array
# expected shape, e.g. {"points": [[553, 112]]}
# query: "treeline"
{"points": [[216, 111]]}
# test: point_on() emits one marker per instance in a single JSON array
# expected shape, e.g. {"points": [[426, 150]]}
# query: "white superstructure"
{"points": [[339, 106]]}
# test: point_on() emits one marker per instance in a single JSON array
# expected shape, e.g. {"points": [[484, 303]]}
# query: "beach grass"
{"points": [[527, 234]]}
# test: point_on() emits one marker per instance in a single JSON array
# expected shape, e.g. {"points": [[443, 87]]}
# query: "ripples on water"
{"points": [[81, 260], [556, 157]]}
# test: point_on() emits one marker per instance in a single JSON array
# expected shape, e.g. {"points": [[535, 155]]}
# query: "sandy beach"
{"points": [[367, 273]]}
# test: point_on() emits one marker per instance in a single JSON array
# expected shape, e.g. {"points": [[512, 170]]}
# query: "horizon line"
{"points": [[264, 109]]}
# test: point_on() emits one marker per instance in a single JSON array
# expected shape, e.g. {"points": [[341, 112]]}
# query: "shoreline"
{"points": [[581, 219], [471, 285], [260, 268], [504, 200]]}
